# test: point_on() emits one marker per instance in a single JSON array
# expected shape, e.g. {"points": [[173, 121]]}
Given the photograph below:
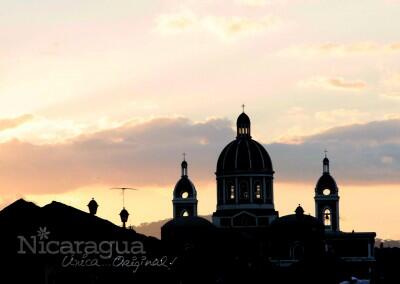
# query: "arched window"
{"points": [[185, 213], [230, 192], [257, 191], [327, 217]]}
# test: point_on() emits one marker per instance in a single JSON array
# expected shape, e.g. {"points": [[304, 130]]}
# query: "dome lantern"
{"points": [[243, 125]]}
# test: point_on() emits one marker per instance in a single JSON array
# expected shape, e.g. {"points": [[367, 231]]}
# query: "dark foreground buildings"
{"points": [[246, 242]]}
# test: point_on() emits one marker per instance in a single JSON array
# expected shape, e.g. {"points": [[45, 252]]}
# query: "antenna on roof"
{"points": [[123, 193]]}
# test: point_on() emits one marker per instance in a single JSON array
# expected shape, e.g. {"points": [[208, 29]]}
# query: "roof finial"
{"points": [[243, 106], [184, 156], [325, 151]]}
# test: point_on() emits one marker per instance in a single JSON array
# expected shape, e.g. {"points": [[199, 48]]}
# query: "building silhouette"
{"points": [[245, 191], [247, 231], [327, 199], [246, 242], [185, 195]]}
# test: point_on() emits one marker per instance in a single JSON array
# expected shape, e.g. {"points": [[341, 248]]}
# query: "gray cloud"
{"points": [[150, 154], [360, 154], [145, 154]]}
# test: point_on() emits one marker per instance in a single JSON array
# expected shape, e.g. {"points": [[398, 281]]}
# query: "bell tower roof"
{"points": [[185, 195], [326, 181], [184, 184]]}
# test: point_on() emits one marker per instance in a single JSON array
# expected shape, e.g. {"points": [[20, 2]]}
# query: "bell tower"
{"points": [[327, 199], [185, 195]]}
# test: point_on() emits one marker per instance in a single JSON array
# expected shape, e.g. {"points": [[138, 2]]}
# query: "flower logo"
{"points": [[42, 233]]}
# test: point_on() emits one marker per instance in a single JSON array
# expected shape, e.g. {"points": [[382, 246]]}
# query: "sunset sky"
{"points": [[99, 93]]}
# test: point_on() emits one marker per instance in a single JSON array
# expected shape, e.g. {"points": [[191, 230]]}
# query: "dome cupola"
{"points": [[243, 125], [244, 154]]}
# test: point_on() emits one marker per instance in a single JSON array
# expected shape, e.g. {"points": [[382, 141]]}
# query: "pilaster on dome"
{"points": [[243, 125]]}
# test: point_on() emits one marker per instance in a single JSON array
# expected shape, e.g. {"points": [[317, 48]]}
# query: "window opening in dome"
{"points": [[326, 191], [232, 192], [258, 191], [185, 194]]}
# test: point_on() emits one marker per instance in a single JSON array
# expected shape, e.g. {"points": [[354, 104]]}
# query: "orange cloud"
{"points": [[391, 86], [337, 83], [223, 27], [238, 26], [342, 116], [176, 23], [9, 123], [337, 49]]}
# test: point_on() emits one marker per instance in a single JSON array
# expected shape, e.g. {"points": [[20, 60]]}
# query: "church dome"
{"points": [[326, 181], [244, 153], [184, 185]]}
